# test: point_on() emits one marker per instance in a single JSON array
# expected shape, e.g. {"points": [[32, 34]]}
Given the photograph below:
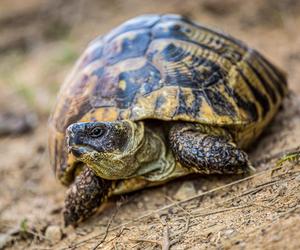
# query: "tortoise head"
{"points": [[106, 147]]}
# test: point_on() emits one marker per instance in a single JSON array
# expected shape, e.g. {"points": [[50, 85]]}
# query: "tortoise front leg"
{"points": [[207, 150], [84, 196]]}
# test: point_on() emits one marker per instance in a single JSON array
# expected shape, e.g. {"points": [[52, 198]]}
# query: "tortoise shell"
{"points": [[167, 67]]}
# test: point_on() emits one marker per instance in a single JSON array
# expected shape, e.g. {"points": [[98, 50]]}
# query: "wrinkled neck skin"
{"points": [[144, 156]]}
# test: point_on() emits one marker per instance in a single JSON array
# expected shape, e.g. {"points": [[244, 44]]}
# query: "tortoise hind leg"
{"points": [[84, 196], [195, 147]]}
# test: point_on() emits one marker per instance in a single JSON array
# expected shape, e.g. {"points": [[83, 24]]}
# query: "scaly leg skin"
{"points": [[84, 196], [195, 147]]}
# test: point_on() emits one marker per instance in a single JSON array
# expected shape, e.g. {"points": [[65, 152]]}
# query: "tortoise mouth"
{"points": [[80, 150], [77, 152]]}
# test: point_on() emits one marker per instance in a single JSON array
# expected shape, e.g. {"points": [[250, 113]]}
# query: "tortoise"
{"points": [[157, 98]]}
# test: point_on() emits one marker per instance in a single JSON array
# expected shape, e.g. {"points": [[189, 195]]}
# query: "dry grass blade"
{"points": [[148, 241], [107, 228]]}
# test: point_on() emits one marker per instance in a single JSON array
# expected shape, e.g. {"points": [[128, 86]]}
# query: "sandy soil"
{"points": [[40, 40]]}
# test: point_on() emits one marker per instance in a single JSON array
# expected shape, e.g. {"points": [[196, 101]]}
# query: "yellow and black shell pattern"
{"points": [[167, 67]]}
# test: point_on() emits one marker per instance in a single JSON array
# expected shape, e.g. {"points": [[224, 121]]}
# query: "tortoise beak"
{"points": [[75, 135]]}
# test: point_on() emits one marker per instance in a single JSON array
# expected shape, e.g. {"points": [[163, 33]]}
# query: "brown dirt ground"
{"points": [[39, 43]]}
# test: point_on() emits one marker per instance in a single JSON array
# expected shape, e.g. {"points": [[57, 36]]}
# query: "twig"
{"points": [[187, 225], [259, 228], [243, 194], [107, 228], [165, 241], [178, 236], [223, 210], [118, 234], [289, 211], [179, 202], [218, 238], [183, 209], [148, 241]]}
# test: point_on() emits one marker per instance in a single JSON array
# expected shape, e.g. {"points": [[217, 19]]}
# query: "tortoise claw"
{"points": [[84, 197]]}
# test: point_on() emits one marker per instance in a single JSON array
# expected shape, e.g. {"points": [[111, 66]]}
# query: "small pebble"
{"points": [[186, 190], [276, 238], [53, 233], [140, 205], [4, 239], [146, 199], [229, 232], [241, 244]]}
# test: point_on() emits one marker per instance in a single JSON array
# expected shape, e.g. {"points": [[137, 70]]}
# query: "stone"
{"points": [[186, 190], [4, 239], [53, 233]]}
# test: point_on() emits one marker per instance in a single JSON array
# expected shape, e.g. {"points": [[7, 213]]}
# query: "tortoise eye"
{"points": [[96, 132]]}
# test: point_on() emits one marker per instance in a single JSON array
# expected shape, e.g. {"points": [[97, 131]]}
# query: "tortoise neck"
{"points": [[155, 161]]}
